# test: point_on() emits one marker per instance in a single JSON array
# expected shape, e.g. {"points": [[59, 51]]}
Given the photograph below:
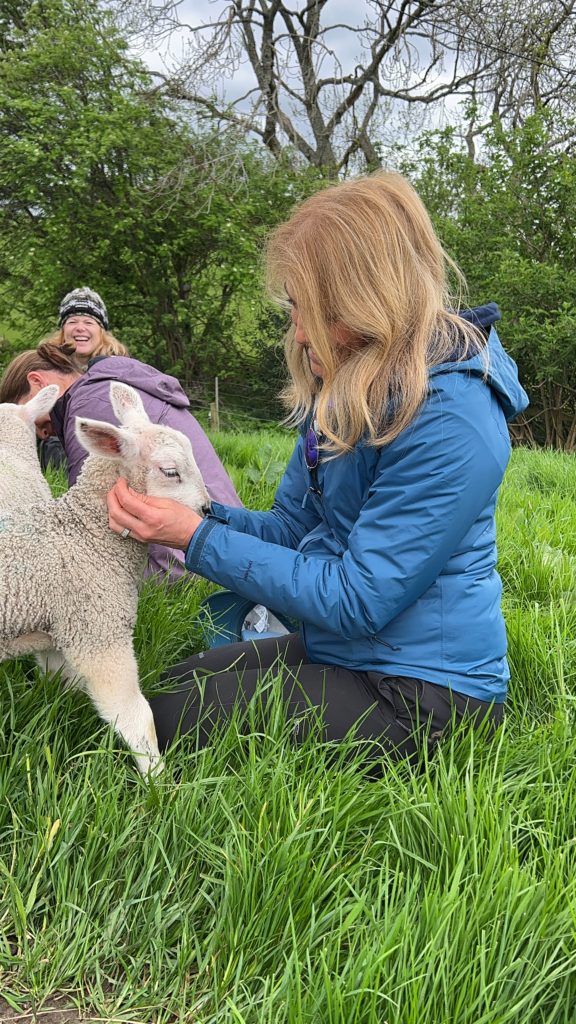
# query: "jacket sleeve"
{"points": [[165, 562], [430, 487], [289, 519]]}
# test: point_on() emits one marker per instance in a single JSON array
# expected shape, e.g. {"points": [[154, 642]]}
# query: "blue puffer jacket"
{"points": [[392, 567]]}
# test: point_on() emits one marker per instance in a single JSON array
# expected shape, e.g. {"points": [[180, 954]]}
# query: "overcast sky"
{"points": [[170, 51], [166, 53]]}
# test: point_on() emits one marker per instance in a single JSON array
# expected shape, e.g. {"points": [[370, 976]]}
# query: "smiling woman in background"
{"points": [[83, 335], [381, 538], [83, 323]]}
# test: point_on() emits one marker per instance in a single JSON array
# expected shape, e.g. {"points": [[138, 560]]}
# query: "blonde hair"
{"points": [[108, 345], [363, 256], [14, 384]]}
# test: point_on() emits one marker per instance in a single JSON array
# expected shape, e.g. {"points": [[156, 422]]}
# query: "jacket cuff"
{"points": [[196, 546], [219, 511]]}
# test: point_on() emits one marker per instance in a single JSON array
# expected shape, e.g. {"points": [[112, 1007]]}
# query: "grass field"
{"points": [[257, 882]]}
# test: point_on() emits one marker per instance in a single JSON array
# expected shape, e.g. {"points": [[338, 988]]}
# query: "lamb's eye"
{"points": [[172, 474]]}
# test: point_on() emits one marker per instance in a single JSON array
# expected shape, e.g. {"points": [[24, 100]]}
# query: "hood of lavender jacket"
{"points": [[166, 403]]}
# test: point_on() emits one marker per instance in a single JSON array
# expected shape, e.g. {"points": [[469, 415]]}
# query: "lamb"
{"points": [[22, 482], [68, 584]]}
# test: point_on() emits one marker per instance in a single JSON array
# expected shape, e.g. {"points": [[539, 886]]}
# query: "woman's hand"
{"points": [[155, 520]]}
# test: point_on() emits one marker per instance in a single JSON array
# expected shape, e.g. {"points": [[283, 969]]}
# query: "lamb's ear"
{"points": [[127, 405], [41, 404], [105, 439]]}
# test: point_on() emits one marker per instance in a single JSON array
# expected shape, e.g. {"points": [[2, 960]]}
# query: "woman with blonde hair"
{"points": [[381, 539], [83, 334], [83, 323]]}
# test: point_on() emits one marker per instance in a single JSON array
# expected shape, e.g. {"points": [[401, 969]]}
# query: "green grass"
{"points": [[259, 882]]}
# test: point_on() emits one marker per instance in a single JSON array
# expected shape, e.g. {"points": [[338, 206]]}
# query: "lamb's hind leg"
{"points": [[40, 645], [111, 680], [47, 657]]}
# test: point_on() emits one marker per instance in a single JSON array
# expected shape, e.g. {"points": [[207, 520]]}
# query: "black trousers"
{"points": [[395, 712]]}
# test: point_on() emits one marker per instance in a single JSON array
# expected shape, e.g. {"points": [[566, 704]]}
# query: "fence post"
{"points": [[215, 408]]}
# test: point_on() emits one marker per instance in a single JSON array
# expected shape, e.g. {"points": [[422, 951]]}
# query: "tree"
{"points": [[508, 221], [103, 184], [332, 88]]}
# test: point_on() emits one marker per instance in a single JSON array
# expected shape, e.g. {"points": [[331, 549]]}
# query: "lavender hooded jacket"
{"points": [[165, 403]]}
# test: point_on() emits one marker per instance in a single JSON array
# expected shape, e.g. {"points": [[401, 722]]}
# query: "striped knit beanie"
{"points": [[83, 302]]}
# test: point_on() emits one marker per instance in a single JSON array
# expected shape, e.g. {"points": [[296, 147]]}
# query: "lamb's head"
{"points": [[153, 458], [17, 422]]}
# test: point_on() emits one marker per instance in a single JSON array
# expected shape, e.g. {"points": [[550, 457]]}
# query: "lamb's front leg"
{"points": [[110, 678]]}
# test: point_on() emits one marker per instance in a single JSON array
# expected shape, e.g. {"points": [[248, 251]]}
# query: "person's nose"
{"points": [[299, 332], [44, 429]]}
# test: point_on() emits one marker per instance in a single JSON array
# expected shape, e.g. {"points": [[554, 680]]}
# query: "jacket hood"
{"points": [[138, 375], [494, 365], [482, 316]]}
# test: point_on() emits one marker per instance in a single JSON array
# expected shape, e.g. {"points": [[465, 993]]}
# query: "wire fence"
{"points": [[233, 404]]}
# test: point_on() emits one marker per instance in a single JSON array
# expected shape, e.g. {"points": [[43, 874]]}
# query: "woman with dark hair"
{"points": [[381, 538], [88, 394]]}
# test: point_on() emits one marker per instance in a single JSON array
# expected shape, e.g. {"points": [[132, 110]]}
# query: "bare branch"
{"points": [[319, 82]]}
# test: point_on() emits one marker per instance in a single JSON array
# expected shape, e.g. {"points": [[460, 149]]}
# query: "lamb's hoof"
{"points": [[150, 765]]}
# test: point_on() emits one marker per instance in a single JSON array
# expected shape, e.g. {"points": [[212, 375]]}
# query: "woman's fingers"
{"points": [[129, 510], [149, 519]]}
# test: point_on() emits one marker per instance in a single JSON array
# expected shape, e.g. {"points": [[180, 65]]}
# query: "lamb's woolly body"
{"points": [[69, 544], [21, 480], [69, 585]]}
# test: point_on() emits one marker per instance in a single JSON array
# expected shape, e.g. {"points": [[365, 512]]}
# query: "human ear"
{"points": [[35, 382]]}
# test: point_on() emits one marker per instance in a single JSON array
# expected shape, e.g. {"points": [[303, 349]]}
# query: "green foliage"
{"points": [[259, 881], [508, 221], [256, 462], [103, 183], [66, 89]]}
